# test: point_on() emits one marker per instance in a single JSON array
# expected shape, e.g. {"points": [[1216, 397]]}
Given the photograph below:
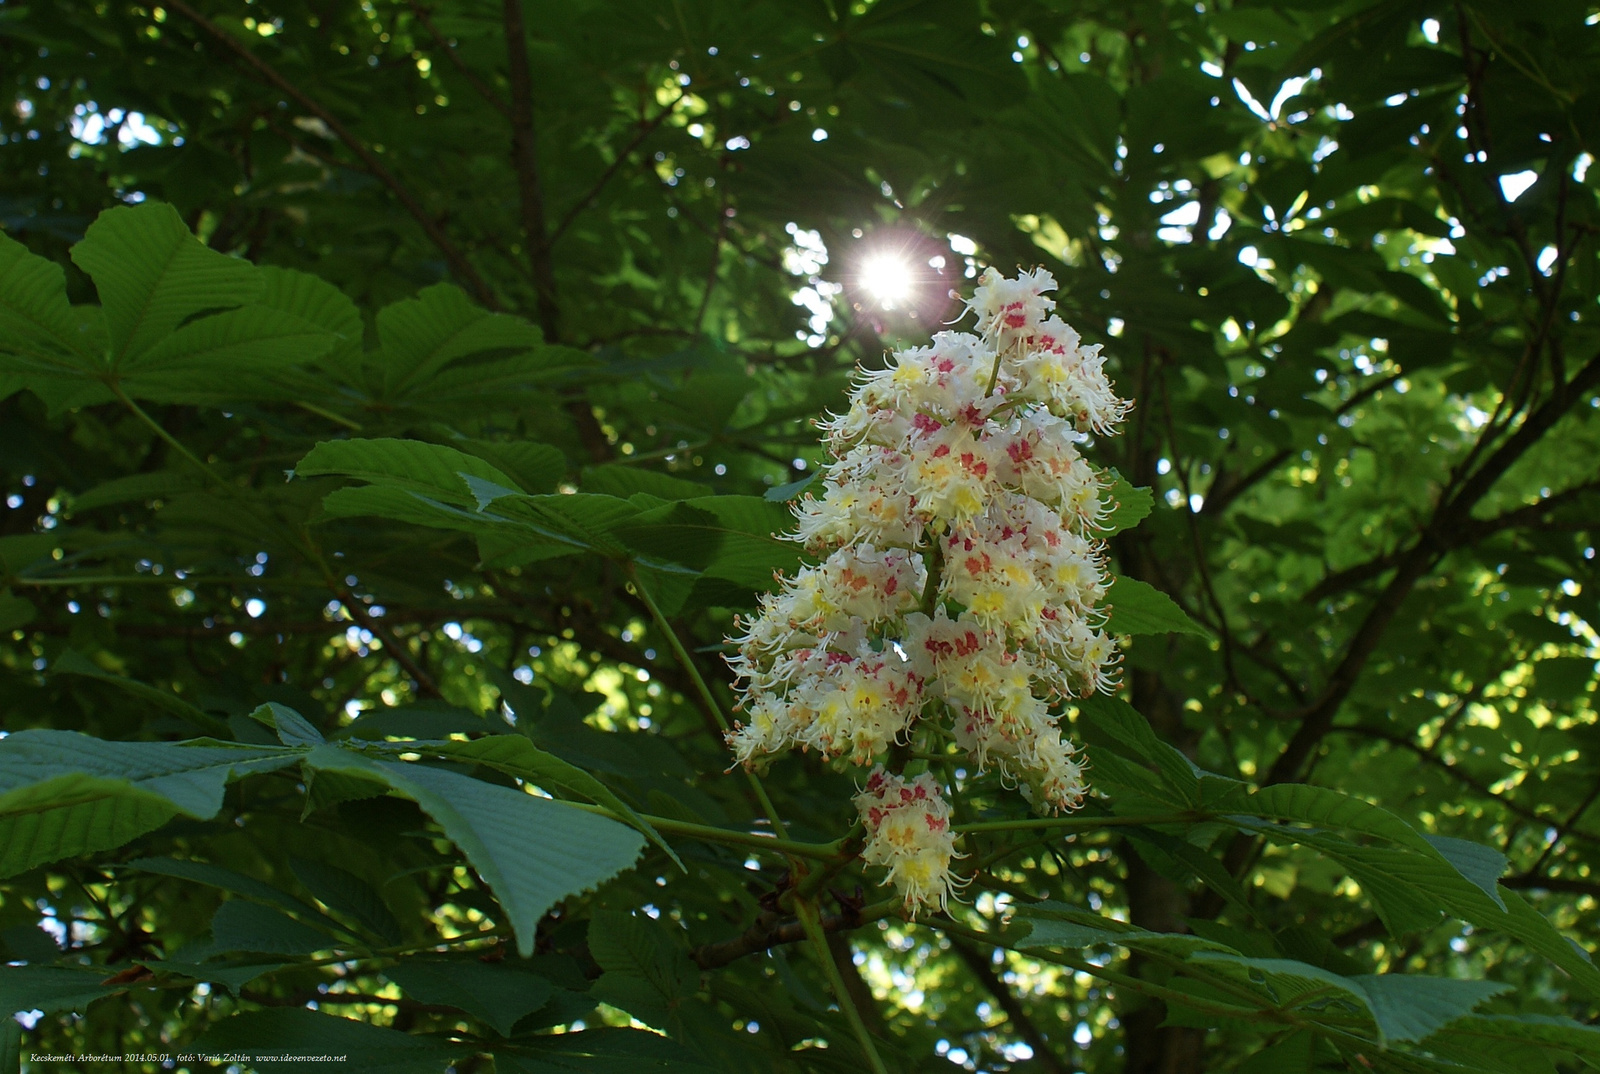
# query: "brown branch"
{"points": [[1044, 1055], [1563, 828], [769, 930], [644, 131], [716, 260], [1561, 884], [525, 156], [458, 261], [489, 95], [1453, 771], [1434, 540], [426, 684]]}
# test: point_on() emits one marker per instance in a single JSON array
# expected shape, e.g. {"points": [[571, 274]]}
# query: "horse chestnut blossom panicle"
{"points": [[910, 825], [959, 582]]}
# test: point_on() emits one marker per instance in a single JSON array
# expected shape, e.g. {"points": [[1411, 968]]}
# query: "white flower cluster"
{"points": [[911, 835], [959, 570]]}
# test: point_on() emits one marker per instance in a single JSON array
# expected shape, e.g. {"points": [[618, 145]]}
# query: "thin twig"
{"points": [[458, 261], [811, 921], [489, 95], [644, 131], [525, 155]]}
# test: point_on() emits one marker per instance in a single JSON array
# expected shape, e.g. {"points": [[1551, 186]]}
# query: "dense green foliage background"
{"points": [[1342, 254]]}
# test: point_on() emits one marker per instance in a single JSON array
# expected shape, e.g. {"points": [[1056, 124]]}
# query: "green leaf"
{"points": [[71, 662], [536, 467], [421, 335], [315, 300], [1110, 723], [1410, 1007], [36, 320], [231, 973], [10, 1046], [518, 756], [1056, 925], [152, 274], [623, 481], [291, 1031], [293, 729], [1482, 865], [348, 894], [15, 611], [1132, 505], [1563, 1035], [49, 989], [212, 354], [498, 994], [1291, 1055], [598, 1051], [727, 537], [531, 851], [433, 469], [646, 973], [792, 490], [63, 794], [1140, 608], [237, 883], [242, 925]]}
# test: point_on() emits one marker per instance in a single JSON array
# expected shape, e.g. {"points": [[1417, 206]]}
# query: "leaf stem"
{"points": [[707, 699], [171, 441], [1075, 823], [730, 836], [806, 911]]}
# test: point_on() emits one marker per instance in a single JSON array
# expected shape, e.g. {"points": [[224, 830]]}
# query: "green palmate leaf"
{"points": [[536, 467], [1109, 723], [38, 328], [729, 537], [1292, 1055], [64, 794], [421, 335], [136, 488], [1516, 1034], [241, 925], [1133, 505], [49, 989], [531, 851], [598, 1051], [1140, 608], [518, 756], [1410, 886], [10, 1046], [231, 973], [237, 883], [279, 1035], [1412, 880], [1411, 1007], [1405, 1007], [312, 299], [495, 992], [210, 355], [625, 481], [646, 973], [1482, 865], [152, 274], [71, 662], [792, 490], [293, 729], [433, 469], [15, 611], [1055, 925], [347, 893]]}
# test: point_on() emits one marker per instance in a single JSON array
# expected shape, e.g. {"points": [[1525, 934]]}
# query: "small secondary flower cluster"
{"points": [[959, 572]]}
